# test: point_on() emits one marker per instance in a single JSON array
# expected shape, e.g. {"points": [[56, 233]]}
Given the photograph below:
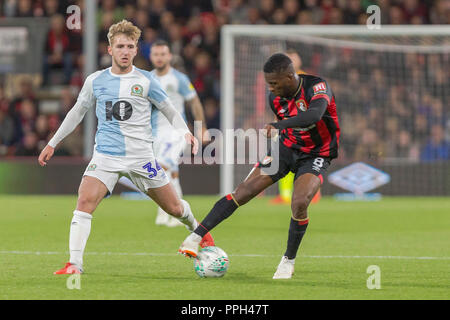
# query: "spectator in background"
{"points": [[149, 36], [405, 146], [29, 145], [352, 12], [304, 17], [110, 7], [266, 9], [396, 15], [212, 113], [369, 147], [58, 55], [129, 11], [6, 130], [437, 147], [50, 8], [203, 75], [27, 117], [176, 39], [414, 9], [9, 8], [336, 16], [24, 9], [238, 12], [439, 12], [42, 131], [290, 7]]}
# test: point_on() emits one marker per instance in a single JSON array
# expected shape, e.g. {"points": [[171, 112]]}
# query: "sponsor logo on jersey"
{"points": [[320, 88], [137, 90]]}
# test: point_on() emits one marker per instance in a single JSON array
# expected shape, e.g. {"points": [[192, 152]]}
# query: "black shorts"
{"points": [[291, 160]]}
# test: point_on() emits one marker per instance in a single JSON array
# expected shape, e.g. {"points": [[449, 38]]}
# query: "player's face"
{"points": [[123, 50], [160, 57], [280, 84]]}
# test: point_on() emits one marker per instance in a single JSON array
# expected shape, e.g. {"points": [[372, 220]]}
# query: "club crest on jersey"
{"points": [[320, 88], [301, 104], [137, 90], [92, 167]]}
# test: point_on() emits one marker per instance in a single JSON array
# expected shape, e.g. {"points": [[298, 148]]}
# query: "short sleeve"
{"points": [[156, 94], [86, 98], [186, 88], [319, 89]]}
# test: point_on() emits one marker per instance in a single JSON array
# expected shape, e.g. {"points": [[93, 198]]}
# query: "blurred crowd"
{"points": [[193, 30]]}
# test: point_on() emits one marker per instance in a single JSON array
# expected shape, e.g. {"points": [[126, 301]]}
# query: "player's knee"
{"points": [[299, 206], [86, 203], [244, 193], [175, 209]]}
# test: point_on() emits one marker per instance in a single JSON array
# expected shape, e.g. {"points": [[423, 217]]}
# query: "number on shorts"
{"points": [[318, 162], [153, 171]]}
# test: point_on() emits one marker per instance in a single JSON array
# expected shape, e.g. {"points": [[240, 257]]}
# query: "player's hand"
{"points": [[46, 155], [190, 139], [268, 131]]}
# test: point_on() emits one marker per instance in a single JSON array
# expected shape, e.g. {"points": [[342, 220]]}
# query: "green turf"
{"points": [[128, 257]]}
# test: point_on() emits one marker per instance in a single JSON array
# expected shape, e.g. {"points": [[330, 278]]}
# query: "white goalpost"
{"points": [[387, 83]]}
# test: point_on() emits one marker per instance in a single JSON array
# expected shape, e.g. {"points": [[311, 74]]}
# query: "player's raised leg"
{"points": [[247, 190], [167, 199], [305, 187], [175, 181], [90, 193], [162, 217]]}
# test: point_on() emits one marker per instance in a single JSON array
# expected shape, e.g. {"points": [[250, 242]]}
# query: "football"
{"points": [[211, 262]]}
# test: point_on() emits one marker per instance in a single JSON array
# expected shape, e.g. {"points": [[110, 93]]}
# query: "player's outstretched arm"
{"points": [[71, 121]]}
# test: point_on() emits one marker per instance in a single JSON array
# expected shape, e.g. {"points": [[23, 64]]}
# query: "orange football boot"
{"points": [[207, 241], [69, 269]]}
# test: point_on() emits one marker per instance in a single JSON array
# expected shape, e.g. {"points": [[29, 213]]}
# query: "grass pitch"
{"points": [[129, 257]]}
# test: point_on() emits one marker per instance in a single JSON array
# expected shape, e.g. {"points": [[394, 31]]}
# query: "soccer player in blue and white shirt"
{"points": [[168, 144], [123, 96]]}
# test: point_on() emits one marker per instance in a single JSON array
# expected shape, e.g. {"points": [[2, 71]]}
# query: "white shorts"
{"points": [[145, 173], [168, 150]]}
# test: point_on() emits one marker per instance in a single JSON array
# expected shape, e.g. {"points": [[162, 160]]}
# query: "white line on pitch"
{"points": [[232, 255]]}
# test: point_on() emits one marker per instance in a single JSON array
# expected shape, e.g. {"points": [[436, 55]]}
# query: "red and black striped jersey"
{"points": [[320, 138]]}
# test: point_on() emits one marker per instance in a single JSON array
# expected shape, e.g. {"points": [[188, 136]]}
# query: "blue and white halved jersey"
{"points": [[179, 89], [124, 110]]}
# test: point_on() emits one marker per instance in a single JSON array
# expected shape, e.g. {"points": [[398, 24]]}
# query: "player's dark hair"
{"points": [[278, 62], [161, 43]]}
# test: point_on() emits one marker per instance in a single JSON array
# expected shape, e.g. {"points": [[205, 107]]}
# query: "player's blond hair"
{"points": [[124, 27]]}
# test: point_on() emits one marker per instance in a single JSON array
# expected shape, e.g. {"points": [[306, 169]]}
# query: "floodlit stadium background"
{"points": [[393, 106]]}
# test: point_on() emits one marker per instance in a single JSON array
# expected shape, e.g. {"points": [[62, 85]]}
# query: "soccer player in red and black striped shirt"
{"points": [[308, 130]]}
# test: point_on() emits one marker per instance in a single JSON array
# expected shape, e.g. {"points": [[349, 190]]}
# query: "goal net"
{"points": [[391, 88]]}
